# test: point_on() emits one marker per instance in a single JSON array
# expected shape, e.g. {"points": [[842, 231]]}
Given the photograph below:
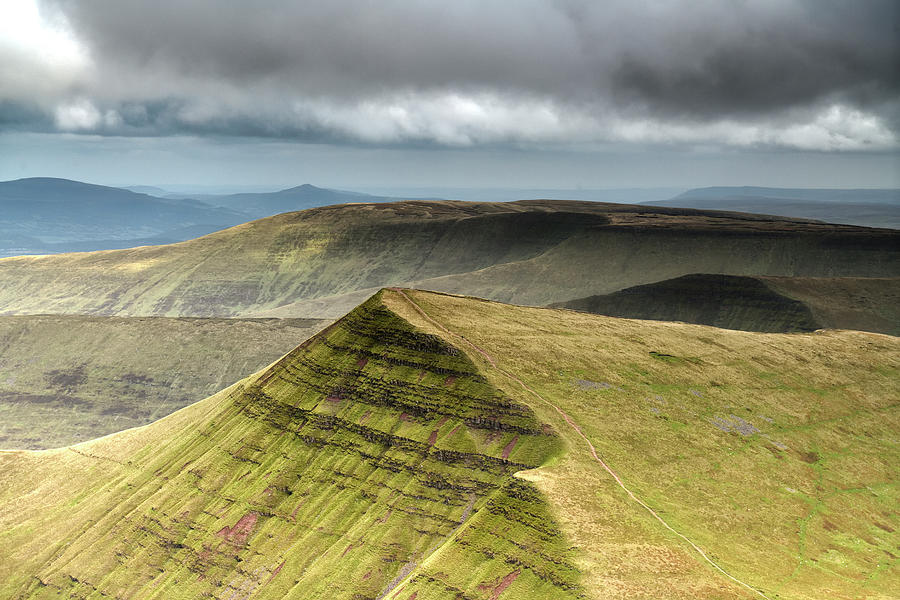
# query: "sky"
{"points": [[469, 93]]}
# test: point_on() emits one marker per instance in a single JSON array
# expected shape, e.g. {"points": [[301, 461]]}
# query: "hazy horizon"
{"points": [[551, 95]]}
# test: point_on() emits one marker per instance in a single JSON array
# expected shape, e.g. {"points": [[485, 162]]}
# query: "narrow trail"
{"points": [[581, 434]]}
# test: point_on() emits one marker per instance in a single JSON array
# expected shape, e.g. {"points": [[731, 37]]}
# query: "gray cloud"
{"points": [[811, 74], [736, 61]]}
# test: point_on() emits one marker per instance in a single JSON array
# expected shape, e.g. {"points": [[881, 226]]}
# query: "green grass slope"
{"points": [[332, 474], [774, 454], [768, 304], [67, 379], [532, 252], [377, 460]]}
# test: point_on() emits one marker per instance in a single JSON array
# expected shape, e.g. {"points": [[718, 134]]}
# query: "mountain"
{"points": [[433, 446], [866, 207], [840, 196], [172, 236], [71, 378], [44, 214], [150, 190], [267, 204], [777, 304], [532, 252]]}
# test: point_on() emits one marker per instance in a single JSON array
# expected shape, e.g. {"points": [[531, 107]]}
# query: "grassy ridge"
{"points": [[67, 379], [533, 252], [775, 453], [329, 475], [378, 460]]}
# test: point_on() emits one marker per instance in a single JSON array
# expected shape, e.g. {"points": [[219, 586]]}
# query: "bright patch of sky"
{"points": [[38, 50]]}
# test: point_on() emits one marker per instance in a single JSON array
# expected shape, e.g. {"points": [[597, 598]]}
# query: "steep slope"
{"points": [[67, 379], [870, 208], [532, 252], [375, 461], [330, 474], [774, 304], [703, 460], [44, 214]]}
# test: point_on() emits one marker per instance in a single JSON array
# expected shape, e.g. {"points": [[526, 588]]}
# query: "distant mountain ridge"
{"points": [[865, 207], [266, 204], [150, 190], [852, 196], [531, 252], [46, 214]]}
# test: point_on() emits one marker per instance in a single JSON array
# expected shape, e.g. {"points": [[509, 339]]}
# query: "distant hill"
{"points": [[495, 194], [150, 190], [267, 204], [429, 446], [866, 207], [773, 304], [531, 252], [843, 196], [43, 214]]}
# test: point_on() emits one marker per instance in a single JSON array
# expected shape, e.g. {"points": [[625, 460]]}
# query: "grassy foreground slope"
{"points": [[532, 252], [377, 461], [772, 304], [67, 379], [330, 474], [776, 454]]}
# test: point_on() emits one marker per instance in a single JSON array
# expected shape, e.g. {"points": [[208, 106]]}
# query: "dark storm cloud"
{"points": [[713, 57], [467, 72], [23, 117], [738, 61]]}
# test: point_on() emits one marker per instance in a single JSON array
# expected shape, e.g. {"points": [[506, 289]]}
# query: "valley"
{"points": [[71, 378]]}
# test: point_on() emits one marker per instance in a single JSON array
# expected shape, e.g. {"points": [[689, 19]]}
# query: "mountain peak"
{"points": [[306, 187]]}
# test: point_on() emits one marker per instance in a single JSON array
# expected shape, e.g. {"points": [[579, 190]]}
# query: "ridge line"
{"points": [[578, 430]]}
